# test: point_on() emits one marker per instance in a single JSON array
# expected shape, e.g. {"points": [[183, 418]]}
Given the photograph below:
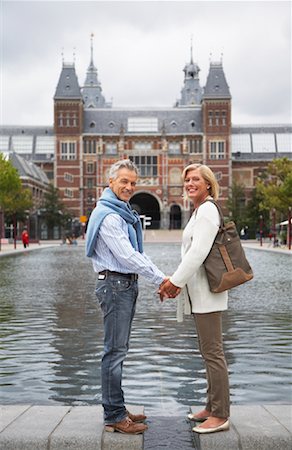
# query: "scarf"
{"points": [[110, 204]]}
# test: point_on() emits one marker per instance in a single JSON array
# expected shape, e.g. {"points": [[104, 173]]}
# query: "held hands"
{"points": [[168, 290]]}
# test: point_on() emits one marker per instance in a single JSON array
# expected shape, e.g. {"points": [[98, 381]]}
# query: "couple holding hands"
{"points": [[114, 242]]}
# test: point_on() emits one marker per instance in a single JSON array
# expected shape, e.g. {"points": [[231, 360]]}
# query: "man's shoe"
{"points": [[223, 427], [126, 426], [136, 417]]}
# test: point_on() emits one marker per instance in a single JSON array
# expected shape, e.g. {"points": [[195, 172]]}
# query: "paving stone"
{"points": [[9, 413], [80, 429], [283, 413], [170, 432], [32, 429]]}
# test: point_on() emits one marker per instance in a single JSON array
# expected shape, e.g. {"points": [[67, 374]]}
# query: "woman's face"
{"points": [[196, 186]]}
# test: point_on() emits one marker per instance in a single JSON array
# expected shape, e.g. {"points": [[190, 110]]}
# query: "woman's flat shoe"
{"points": [[195, 418], [223, 427]]}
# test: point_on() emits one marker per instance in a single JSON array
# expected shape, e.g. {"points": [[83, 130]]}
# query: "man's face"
{"points": [[124, 185]]}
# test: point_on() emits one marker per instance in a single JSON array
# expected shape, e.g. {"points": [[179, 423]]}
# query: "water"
{"points": [[51, 335]]}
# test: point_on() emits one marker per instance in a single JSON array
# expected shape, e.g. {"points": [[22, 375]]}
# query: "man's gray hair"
{"points": [[122, 164]]}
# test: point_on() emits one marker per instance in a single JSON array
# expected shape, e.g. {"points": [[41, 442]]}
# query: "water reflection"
{"points": [[51, 335]]}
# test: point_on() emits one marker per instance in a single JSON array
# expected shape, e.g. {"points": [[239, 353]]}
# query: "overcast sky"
{"points": [[140, 50]]}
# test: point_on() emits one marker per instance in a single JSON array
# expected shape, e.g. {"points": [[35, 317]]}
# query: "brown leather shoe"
{"points": [[136, 417], [126, 426]]}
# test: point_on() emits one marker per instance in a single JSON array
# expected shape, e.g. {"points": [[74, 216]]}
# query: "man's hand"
{"points": [[168, 290]]}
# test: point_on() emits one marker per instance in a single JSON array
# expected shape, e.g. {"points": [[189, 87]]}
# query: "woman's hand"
{"points": [[168, 290]]}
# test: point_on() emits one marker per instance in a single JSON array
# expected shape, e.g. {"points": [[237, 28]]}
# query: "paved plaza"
{"points": [[37, 427]]}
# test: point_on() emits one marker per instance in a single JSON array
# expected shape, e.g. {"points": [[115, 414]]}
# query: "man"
{"points": [[114, 242]]}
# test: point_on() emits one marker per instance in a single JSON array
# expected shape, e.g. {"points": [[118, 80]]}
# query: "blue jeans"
{"points": [[117, 297]]}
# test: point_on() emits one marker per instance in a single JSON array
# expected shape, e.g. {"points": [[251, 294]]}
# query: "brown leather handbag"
{"points": [[226, 265]]}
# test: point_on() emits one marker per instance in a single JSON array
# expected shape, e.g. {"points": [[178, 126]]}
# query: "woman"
{"points": [[201, 185]]}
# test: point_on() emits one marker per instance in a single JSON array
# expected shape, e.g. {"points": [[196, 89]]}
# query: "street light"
{"points": [[289, 228], [274, 226], [261, 230]]}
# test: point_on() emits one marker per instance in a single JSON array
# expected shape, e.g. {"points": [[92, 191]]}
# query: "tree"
{"points": [[236, 205], [275, 187], [15, 201], [53, 210]]}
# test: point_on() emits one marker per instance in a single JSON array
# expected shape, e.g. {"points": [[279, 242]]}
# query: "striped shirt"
{"points": [[113, 251]]}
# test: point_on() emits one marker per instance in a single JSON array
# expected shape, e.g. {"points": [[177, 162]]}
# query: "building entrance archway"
{"points": [[175, 218], [146, 204]]}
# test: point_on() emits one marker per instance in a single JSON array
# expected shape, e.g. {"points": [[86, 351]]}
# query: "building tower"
{"points": [[68, 125], [191, 93], [216, 121]]}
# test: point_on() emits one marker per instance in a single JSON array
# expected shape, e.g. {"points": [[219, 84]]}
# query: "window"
{"points": [[195, 146], [210, 114], [68, 177], [111, 148], [45, 144], [223, 117], [217, 150], [241, 143], [68, 120], [217, 117], [142, 124], [263, 142], [68, 193], [4, 143], [142, 146], [147, 165], [174, 148], [68, 150], [90, 167], [284, 142], [22, 144], [60, 119], [90, 182], [89, 146]]}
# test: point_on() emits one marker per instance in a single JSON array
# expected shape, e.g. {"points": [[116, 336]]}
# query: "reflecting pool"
{"points": [[51, 335]]}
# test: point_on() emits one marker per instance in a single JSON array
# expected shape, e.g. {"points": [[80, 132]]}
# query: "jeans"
{"points": [[117, 297]]}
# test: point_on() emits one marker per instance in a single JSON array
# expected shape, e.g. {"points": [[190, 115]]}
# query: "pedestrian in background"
{"points": [[114, 242], [25, 238], [201, 185]]}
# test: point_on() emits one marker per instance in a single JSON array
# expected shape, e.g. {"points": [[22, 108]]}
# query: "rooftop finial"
{"points": [[74, 55], [221, 57], [191, 49], [62, 54], [91, 47]]}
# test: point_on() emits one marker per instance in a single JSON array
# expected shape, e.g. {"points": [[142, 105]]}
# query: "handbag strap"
{"points": [[210, 199]]}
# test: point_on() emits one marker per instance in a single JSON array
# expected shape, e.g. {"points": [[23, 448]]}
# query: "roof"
{"points": [[28, 169], [32, 142], [68, 86], [216, 85], [172, 121]]}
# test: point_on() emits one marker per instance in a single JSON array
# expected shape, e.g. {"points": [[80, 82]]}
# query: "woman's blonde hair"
{"points": [[208, 176]]}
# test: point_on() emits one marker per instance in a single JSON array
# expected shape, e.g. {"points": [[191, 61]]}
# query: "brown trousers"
{"points": [[209, 330]]}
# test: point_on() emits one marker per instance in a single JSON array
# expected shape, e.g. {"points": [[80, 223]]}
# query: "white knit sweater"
{"points": [[197, 240]]}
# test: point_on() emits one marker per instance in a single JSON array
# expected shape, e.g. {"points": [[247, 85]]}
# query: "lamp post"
{"points": [[274, 226], [289, 228], [261, 230]]}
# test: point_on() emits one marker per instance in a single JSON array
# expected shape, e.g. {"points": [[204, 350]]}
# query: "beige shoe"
{"points": [[197, 418], [126, 426], [223, 427]]}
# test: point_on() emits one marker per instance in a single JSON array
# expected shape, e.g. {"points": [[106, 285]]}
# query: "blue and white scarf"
{"points": [[110, 204]]}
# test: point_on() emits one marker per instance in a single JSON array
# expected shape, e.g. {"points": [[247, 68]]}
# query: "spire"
{"points": [[191, 92], [92, 91]]}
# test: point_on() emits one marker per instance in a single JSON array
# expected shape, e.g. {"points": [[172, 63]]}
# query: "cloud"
{"points": [[140, 49]]}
